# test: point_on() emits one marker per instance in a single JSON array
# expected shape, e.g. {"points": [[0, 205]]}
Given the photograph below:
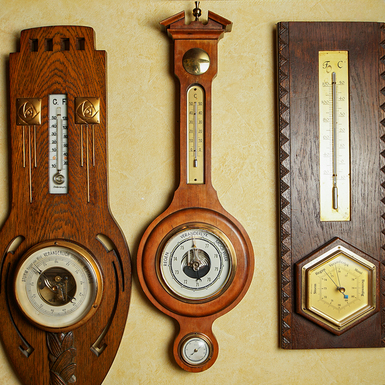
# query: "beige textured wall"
{"points": [[141, 173]]}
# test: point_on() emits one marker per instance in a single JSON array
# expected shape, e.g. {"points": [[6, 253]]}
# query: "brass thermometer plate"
{"points": [[195, 135], [334, 136]]}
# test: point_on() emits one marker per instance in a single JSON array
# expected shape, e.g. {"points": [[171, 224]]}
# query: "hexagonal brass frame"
{"points": [[321, 255]]}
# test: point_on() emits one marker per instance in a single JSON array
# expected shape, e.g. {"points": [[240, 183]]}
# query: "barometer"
{"points": [[331, 153], [60, 322], [195, 261]]}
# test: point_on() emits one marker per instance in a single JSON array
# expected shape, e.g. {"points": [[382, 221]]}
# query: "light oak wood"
{"points": [[62, 60]]}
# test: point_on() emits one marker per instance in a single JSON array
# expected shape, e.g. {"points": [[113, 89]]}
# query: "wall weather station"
{"points": [[60, 322], [195, 261]]}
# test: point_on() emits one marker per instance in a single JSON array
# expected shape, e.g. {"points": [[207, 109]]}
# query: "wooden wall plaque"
{"points": [[332, 269], [65, 273]]}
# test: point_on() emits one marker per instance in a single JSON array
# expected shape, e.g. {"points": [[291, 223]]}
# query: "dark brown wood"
{"points": [[195, 203], [301, 231], [62, 59]]}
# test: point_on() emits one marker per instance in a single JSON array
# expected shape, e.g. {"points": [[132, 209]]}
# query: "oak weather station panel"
{"points": [[65, 272]]}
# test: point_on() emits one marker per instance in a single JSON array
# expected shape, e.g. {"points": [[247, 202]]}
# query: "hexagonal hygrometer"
{"points": [[337, 286]]}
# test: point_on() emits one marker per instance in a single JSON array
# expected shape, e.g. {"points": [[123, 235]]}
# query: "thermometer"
{"points": [[195, 135], [334, 136], [58, 144]]}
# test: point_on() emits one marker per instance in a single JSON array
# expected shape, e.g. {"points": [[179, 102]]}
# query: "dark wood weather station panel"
{"points": [[331, 100]]}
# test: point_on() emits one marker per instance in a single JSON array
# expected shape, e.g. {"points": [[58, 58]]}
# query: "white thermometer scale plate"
{"points": [[58, 144]]}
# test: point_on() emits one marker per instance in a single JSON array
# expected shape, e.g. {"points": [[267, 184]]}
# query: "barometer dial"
{"points": [[196, 263], [340, 287], [58, 285]]}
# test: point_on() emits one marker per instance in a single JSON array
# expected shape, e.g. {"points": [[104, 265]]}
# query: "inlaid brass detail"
{"points": [[28, 111], [87, 110]]}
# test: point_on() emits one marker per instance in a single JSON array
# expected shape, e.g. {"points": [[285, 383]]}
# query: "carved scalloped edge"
{"points": [[284, 175], [382, 173]]}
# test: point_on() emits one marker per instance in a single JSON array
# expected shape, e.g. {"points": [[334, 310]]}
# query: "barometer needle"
{"points": [[339, 288], [331, 278], [195, 350]]}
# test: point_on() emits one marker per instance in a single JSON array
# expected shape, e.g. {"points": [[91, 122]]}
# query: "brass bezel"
{"points": [[88, 259], [209, 228], [190, 336], [324, 259]]}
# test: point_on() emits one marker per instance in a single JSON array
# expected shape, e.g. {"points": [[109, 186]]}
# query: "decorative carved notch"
{"points": [[28, 111]]}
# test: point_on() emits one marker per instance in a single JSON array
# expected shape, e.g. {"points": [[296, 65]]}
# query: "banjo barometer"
{"points": [[60, 322], [195, 261]]}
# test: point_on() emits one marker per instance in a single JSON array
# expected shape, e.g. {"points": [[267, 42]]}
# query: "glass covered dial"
{"points": [[339, 287], [58, 285], [195, 349], [196, 263]]}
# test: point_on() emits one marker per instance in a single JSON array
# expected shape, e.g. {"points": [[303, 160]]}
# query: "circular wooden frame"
{"points": [[152, 247]]}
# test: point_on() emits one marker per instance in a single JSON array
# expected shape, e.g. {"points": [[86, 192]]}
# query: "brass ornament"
{"points": [[196, 61]]}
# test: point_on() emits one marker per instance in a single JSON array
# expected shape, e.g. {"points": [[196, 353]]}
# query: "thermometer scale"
{"points": [[195, 141], [334, 135], [58, 144]]}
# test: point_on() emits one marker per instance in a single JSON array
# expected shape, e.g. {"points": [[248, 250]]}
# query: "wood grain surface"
{"points": [[195, 203], [62, 60], [302, 232]]}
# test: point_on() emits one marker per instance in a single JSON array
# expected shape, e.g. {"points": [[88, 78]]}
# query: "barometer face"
{"points": [[340, 287], [196, 262], [58, 285]]}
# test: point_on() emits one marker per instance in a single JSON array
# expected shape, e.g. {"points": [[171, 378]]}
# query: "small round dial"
{"points": [[196, 263], [195, 350], [58, 285]]}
